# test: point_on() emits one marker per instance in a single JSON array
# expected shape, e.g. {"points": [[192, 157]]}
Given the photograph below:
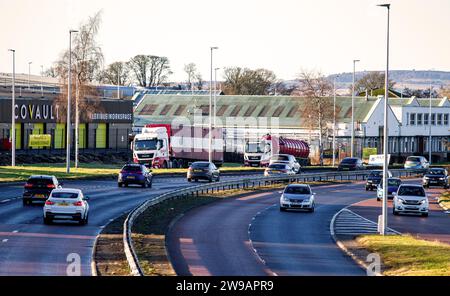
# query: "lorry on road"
{"points": [[258, 152], [167, 146]]}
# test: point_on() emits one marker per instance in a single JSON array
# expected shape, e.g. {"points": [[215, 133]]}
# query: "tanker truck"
{"points": [[164, 146], [259, 152]]}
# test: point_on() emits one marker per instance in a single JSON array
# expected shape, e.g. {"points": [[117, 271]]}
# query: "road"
{"points": [[28, 247], [250, 236]]}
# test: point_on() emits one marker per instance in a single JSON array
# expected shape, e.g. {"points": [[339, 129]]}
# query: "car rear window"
{"points": [[297, 190], [132, 168], [64, 195], [40, 181], [376, 174], [278, 166], [349, 160], [280, 158], [436, 172], [413, 159], [409, 190], [200, 164]]}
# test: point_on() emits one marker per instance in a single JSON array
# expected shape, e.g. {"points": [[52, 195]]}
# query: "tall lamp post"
{"points": [[210, 107], [383, 228], [352, 141], [42, 81], [429, 129], [334, 121], [13, 110], [68, 103], [29, 74]]}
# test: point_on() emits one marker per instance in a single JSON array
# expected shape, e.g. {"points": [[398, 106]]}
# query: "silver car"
{"points": [[297, 197], [410, 198], [286, 159]]}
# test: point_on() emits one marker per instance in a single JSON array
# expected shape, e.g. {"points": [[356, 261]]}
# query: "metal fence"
{"points": [[244, 183]]}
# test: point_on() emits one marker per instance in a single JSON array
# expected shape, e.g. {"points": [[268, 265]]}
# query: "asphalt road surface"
{"points": [[250, 236], [28, 247]]}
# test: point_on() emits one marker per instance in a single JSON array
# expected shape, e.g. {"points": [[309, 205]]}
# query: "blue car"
{"points": [[135, 174], [393, 185]]}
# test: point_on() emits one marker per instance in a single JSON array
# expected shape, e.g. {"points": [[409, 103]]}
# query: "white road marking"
{"points": [[5, 240], [15, 231]]}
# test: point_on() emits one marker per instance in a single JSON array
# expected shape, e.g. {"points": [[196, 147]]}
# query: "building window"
{"points": [[446, 119], [439, 119], [433, 119], [412, 119], [425, 119], [419, 118]]}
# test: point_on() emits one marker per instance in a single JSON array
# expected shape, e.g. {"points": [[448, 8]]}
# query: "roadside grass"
{"points": [[444, 199], [405, 255]]}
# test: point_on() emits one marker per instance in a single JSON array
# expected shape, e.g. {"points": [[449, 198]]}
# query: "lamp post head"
{"points": [[354, 61], [12, 50], [385, 5], [73, 31], [214, 47]]}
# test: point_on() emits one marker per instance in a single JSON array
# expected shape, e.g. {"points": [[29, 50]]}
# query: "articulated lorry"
{"points": [[258, 152], [167, 146]]}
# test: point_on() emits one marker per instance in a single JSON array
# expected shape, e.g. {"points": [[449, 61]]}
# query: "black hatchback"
{"points": [[351, 164], [436, 177], [38, 188], [203, 170]]}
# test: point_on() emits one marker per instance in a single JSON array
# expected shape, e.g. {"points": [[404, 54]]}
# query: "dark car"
{"points": [[135, 174], [38, 188], [351, 164], [393, 184], [203, 170], [437, 177], [374, 179]]}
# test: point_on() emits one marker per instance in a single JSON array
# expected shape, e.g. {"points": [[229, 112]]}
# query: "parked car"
{"points": [[436, 176], [297, 197], [203, 170], [393, 184], [351, 164], [374, 179], [135, 174], [416, 163], [38, 188], [286, 159], [66, 204], [278, 169], [410, 198]]}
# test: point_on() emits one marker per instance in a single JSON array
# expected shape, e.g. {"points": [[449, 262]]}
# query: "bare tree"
{"points": [[200, 81], [150, 70], [117, 73], [51, 72], [244, 81], [140, 64], [319, 107], [191, 71], [372, 81]]}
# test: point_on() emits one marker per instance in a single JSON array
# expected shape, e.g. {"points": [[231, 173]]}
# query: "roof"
{"points": [[289, 110], [70, 190]]}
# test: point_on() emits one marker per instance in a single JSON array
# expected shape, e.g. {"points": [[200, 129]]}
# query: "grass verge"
{"points": [[404, 255], [444, 199]]}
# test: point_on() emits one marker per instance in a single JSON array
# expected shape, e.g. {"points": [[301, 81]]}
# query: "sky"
{"points": [[285, 36]]}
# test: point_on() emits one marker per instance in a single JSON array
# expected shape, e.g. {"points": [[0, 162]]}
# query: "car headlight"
{"points": [[306, 200], [426, 178], [423, 201], [401, 200], [442, 179], [284, 198]]}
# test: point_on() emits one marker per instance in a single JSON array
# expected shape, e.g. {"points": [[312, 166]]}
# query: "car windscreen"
{"points": [[349, 160], [278, 166], [131, 168], [280, 158], [40, 181], [376, 174], [410, 190], [413, 159], [436, 172], [200, 165], [145, 144], [394, 182], [297, 190], [64, 195]]}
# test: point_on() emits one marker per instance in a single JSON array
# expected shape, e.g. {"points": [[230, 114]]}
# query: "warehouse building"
{"points": [[244, 117], [104, 123]]}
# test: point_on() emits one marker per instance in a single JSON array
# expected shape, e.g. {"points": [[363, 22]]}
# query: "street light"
{"points": [[13, 110], [118, 82], [384, 221], [334, 120], [353, 111], [68, 103], [210, 107], [42, 82], [215, 94], [29, 73]]}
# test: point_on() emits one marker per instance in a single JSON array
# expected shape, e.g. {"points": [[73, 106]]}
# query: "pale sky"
{"points": [[282, 35]]}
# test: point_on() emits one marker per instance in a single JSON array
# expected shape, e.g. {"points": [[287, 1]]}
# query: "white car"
{"points": [[286, 159], [278, 169], [410, 198], [297, 196], [66, 204]]}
